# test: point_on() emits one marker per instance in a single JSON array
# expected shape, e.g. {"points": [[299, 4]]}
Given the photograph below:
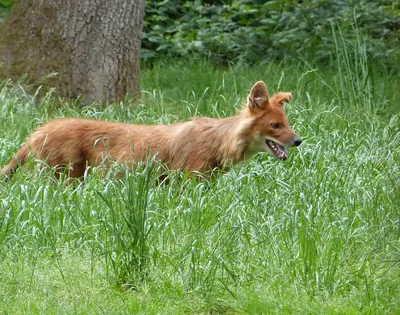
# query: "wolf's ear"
{"points": [[281, 98], [258, 97]]}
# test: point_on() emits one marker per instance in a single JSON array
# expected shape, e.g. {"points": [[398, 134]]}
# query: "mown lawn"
{"points": [[316, 234]]}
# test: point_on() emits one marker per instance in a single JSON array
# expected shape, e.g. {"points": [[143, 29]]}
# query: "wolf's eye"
{"points": [[276, 125]]}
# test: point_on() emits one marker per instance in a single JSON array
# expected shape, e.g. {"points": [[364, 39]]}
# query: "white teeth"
{"points": [[277, 149]]}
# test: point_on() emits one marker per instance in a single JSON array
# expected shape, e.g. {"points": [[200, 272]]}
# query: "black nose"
{"points": [[297, 142]]}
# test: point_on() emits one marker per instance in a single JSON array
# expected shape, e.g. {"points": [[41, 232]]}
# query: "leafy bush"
{"points": [[264, 30], [259, 30], [5, 7], [6, 3]]}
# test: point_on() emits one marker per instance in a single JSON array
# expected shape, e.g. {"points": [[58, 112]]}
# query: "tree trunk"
{"points": [[92, 45]]}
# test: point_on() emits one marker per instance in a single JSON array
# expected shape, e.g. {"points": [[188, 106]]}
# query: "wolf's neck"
{"points": [[233, 138]]}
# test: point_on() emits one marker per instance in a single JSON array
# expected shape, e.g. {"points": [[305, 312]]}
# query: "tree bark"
{"points": [[92, 45]]}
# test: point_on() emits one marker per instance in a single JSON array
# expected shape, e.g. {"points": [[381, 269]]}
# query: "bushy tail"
{"points": [[19, 159]]}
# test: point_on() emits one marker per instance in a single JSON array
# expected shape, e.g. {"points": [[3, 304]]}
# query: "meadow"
{"points": [[316, 234]]}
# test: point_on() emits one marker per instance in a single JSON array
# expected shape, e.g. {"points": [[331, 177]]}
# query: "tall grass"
{"points": [[318, 233], [125, 241], [355, 71]]}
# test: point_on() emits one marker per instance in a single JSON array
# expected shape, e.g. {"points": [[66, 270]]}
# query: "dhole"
{"points": [[201, 144]]}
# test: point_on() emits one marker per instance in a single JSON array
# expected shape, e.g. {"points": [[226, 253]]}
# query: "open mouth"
{"points": [[277, 150]]}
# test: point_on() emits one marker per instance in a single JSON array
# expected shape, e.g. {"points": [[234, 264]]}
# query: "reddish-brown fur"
{"points": [[200, 145]]}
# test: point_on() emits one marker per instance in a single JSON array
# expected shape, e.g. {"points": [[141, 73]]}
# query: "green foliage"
{"points": [[265, 30], [6, 3], [254, 30], [5, 7]]}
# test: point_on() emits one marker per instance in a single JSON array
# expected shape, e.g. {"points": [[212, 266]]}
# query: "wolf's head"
{"points": [[270, 129]]}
